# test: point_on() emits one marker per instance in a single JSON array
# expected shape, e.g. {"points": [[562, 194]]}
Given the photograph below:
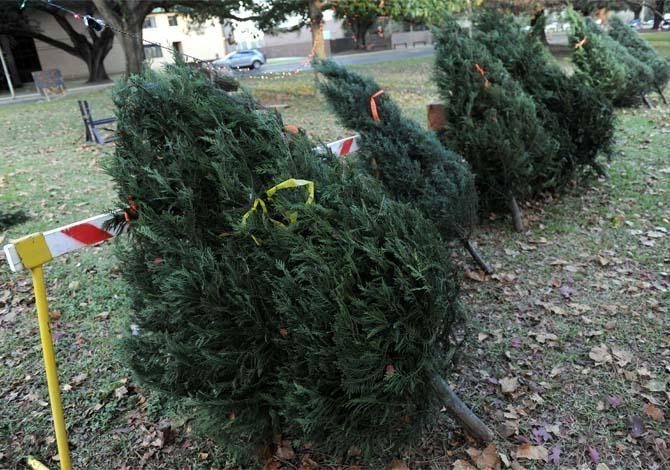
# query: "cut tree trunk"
{"points": [[516, 214], [476, 255], [660, 92], [461, 412]]}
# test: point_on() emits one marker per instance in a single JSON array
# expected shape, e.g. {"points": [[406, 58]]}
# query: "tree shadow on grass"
{"points": [[12, 218]]}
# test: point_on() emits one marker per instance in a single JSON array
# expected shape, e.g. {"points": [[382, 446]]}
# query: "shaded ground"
{"points": [[569, 352]]}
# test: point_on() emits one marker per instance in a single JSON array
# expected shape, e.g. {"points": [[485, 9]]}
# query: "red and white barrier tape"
{"points": [[90, 231]]}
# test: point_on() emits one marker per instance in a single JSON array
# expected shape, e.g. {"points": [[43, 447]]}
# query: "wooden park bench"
{"points": [[93, 134]]}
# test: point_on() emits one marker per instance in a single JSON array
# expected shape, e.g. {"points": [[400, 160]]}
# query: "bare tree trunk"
{"points": [[516, 214], [316, 26], [461, 412], [647, 103]]}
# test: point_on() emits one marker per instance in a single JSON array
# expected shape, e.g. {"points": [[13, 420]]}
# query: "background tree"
{"points": [[129, 16], [428, 12], [86, 43], [359, 15]]}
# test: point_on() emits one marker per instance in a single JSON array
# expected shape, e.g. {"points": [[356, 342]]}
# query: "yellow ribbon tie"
{"points": [[293, 216]]}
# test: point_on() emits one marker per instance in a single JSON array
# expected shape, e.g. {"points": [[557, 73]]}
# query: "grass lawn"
{"points": [[660, 40], [575, 323]]}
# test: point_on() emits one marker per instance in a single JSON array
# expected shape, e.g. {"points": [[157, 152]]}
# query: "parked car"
{"points": [[252, 58], [665, 24], [635, 24]]}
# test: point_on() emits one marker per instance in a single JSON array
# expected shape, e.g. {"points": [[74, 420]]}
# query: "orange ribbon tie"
{"points": [[373, 105], [132, 209]]}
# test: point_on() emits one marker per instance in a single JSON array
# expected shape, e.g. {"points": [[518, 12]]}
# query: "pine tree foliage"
{"points": [[639, 48], [492, 122], [326, 324], [409, 160], [577, 115], [606, 64]]}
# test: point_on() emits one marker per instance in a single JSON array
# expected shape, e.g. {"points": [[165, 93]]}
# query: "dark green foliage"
{"points": [[329, 329], [492, 122], [639, 48], [9, 219], [409, 160], [577, 115], [606, 64]]}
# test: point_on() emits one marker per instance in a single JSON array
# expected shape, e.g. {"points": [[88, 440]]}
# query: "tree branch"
{"points": [[41, 37], [62, 21]]}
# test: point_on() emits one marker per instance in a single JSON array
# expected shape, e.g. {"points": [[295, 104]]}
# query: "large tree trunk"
{"points": [[128, 16], [134, 51], [658, 13], [316, 26], [96, 64], [637, 9], [96, 71], [360, 31]]}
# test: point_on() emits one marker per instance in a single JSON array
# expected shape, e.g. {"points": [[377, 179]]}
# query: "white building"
{"points": [[173, 31]]}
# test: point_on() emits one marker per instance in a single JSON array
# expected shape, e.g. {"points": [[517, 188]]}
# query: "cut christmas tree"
{"points": [[607, 65], [275, 290], [578, 115], [410, 161], [493, 123], [639, 48]]}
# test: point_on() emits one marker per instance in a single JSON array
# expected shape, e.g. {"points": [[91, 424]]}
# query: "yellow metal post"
{"points": [[50, 367], [34, 252]]}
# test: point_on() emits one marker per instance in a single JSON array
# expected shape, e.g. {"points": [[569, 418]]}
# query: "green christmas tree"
{"points": [[409, 160], [606, 64], [639, 48], [275, 289], [577, 115], [493, 123]]}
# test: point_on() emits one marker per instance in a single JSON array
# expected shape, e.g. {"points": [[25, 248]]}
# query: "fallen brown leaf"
{"points": [[600, 354], [509, 384], [654, 412], [488, 459], [531, 452], [397, 465], [462, 465]]}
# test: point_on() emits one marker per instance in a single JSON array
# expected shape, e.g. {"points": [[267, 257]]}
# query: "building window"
{"points": [[172, 20], [149, 22], [152, 52]]}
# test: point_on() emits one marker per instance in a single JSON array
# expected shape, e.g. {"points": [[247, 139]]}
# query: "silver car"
{"points": [[242, 59]]}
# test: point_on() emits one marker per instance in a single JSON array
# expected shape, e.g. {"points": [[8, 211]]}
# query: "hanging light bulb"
{"points": [[97, 24]]}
